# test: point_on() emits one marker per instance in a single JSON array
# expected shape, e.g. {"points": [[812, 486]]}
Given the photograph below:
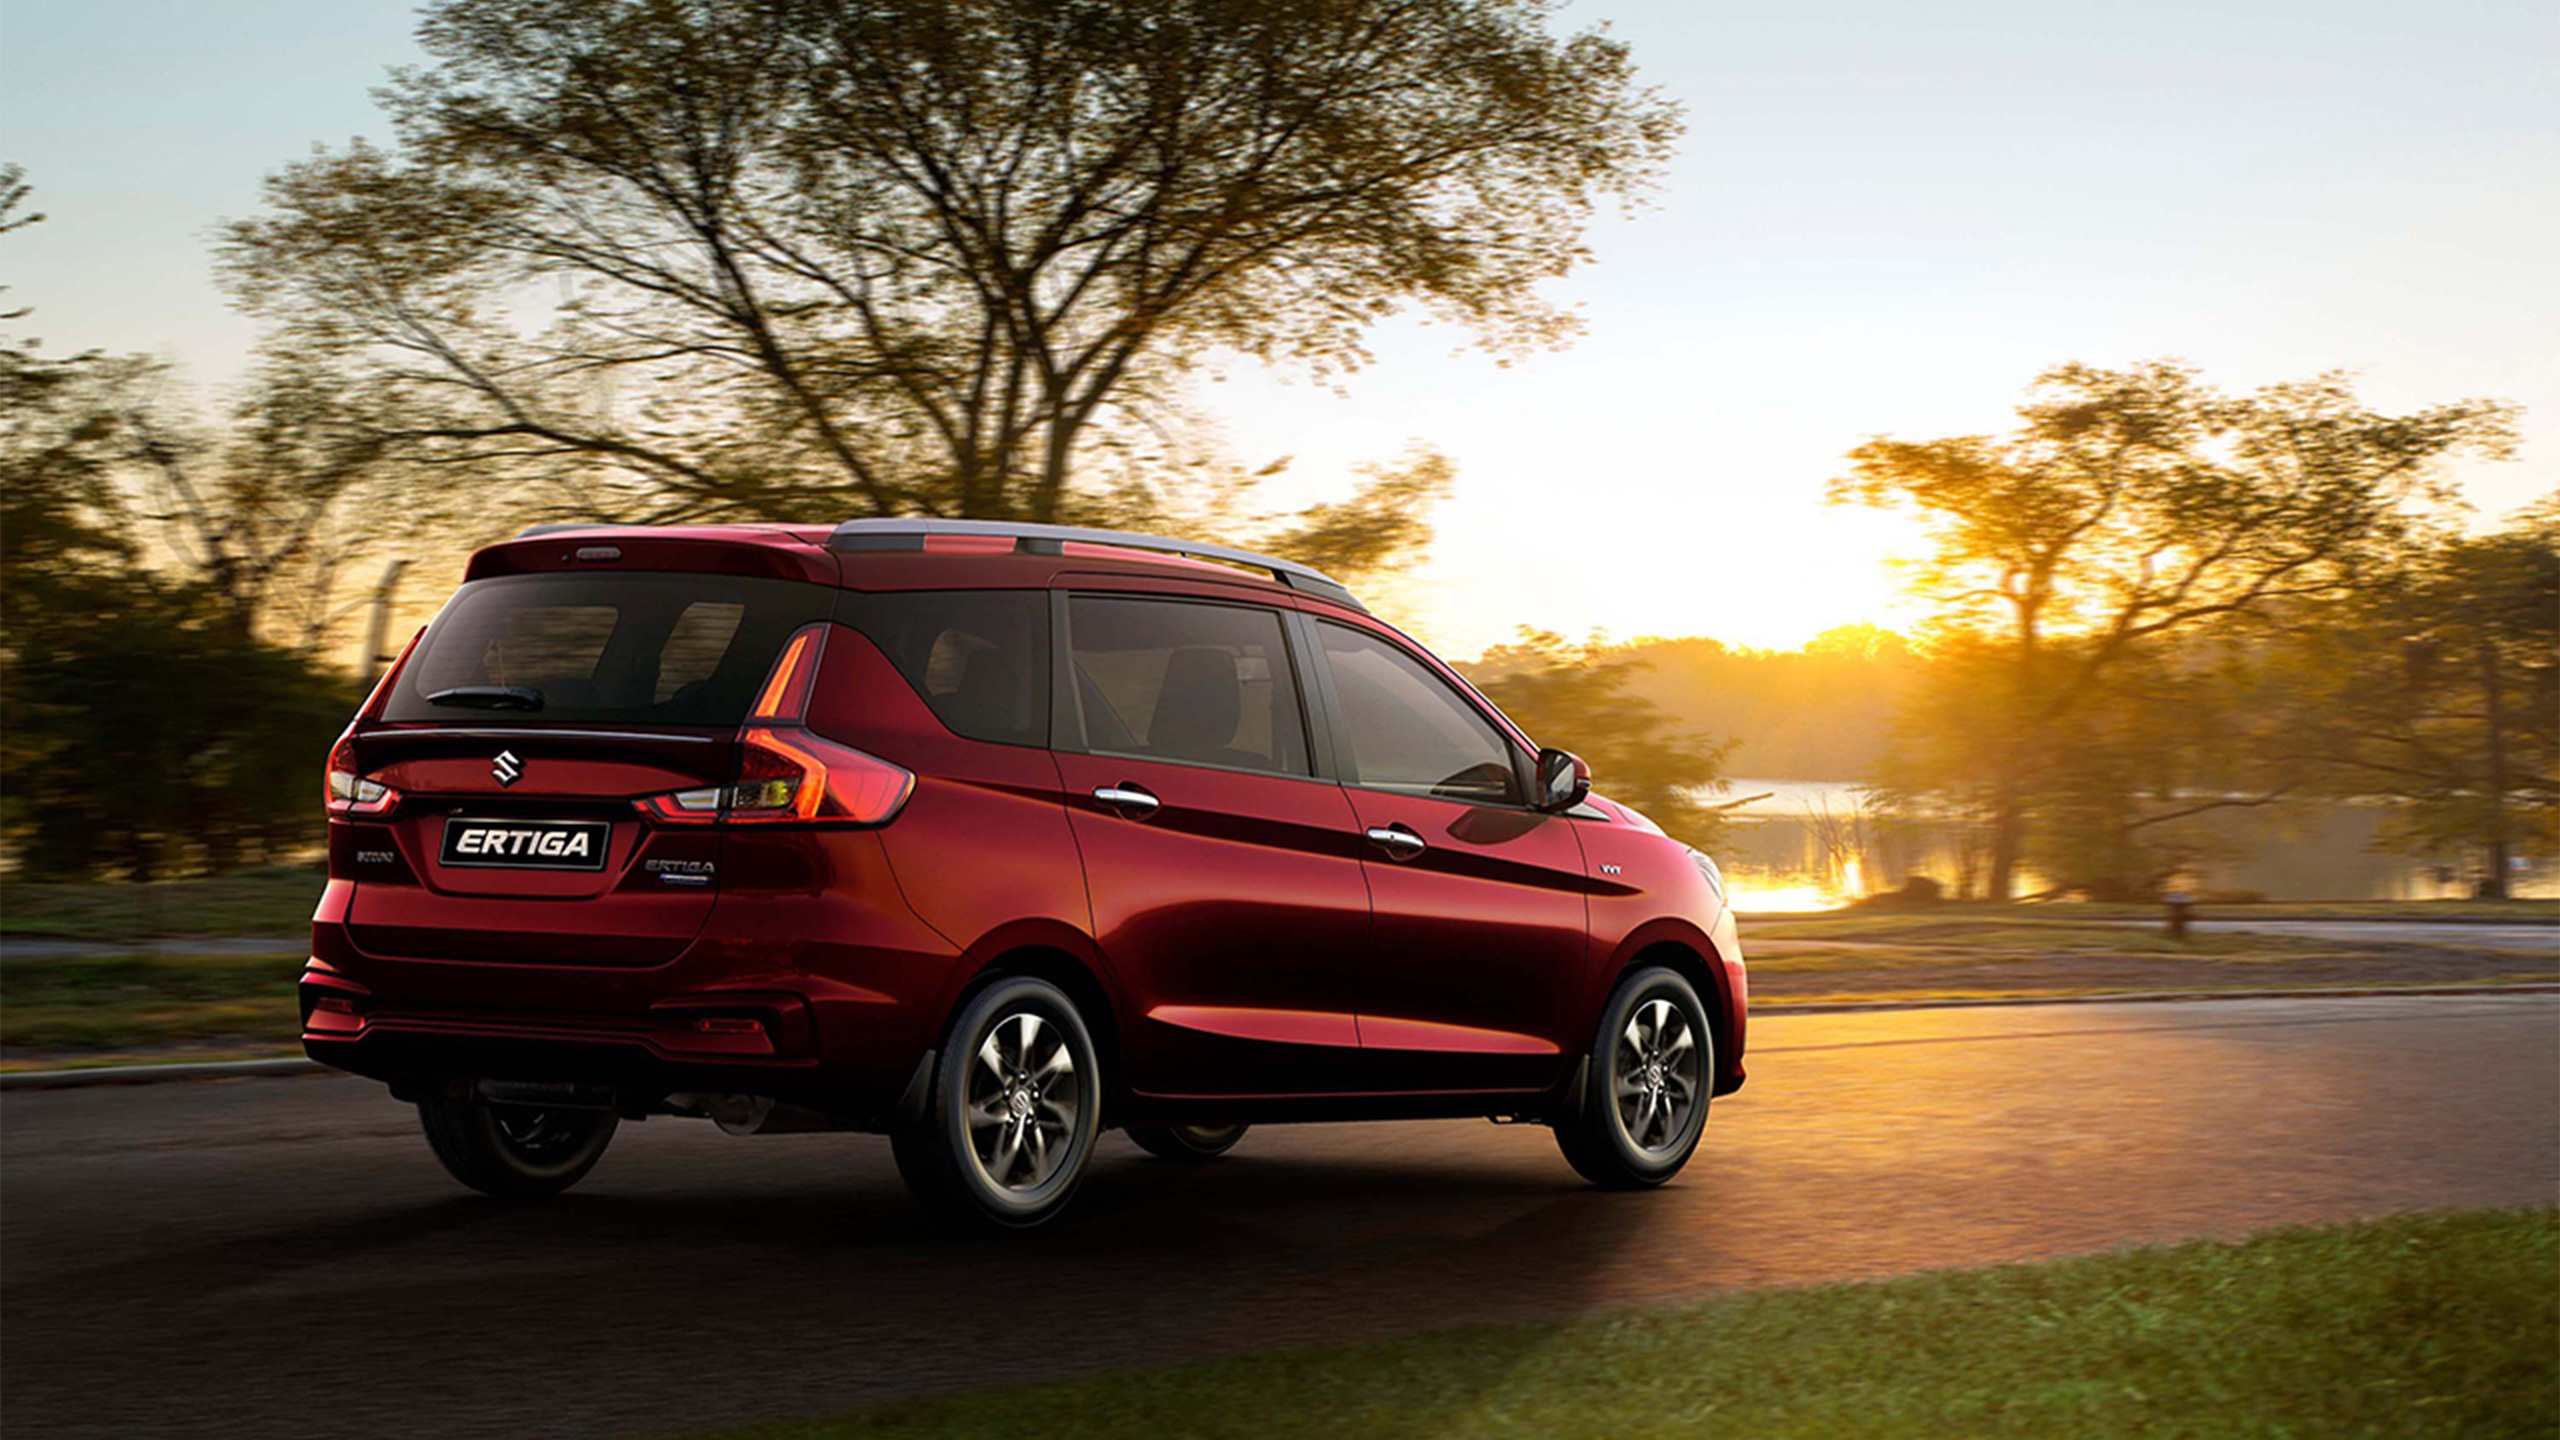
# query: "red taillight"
{"points": [[686, 807], [786, 691], [348, 793], [786, 774], [344, 791], [794, 775]]}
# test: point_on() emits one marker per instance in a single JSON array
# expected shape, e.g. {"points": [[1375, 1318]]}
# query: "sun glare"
{"points": [[1785, 899]]}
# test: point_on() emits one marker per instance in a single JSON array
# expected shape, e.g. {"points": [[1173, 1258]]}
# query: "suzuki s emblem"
{"points": [[507, 767]]}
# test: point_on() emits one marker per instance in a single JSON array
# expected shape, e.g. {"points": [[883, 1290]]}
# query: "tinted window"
{"points": [[694, 648], [656, 649], [1201, 684], [980, 658], [1409, 731]]}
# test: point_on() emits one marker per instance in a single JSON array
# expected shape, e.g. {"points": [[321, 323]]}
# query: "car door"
{"points": [[1225, 876], [1478, 923]]}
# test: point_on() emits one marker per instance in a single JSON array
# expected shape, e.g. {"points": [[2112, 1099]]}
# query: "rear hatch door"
{"points": [[533, 717]]}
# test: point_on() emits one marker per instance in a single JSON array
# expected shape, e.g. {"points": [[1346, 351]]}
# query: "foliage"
{"points": [[944, 257], [145, 738], [1578, 698], [141, 731], [2132, 507], [1820, 712], [263, 512], [2442, 691]]}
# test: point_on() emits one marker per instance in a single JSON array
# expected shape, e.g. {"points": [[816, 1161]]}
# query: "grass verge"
{"points": [[1804, 960], [148, 1007], [2095, 923], [2414, 1326], [276, 900]]}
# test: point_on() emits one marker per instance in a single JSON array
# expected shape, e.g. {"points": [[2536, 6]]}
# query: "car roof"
{"points": [[900, 555]]}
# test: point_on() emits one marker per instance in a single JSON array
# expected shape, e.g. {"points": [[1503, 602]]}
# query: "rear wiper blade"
{"points": [[489, 697]]}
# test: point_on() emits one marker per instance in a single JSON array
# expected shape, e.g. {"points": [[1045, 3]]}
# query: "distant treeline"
{"points": [[1821, 712], [2154, 604]]}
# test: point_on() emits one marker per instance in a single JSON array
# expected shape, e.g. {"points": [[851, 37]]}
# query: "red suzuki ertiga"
{"points": [[985, 836]]}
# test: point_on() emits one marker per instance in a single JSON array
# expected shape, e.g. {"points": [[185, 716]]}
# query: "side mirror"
{"points": [[1563, 780]]}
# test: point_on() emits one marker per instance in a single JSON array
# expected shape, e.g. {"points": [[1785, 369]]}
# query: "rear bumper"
{"points": [[845, 1057], [751, 1005]]}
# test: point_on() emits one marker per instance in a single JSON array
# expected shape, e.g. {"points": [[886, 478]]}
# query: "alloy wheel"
{"points": [[1656, 1081], [540, 1136], [1022, 1101]]}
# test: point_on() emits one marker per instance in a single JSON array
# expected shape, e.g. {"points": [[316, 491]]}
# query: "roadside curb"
{"points": [[153, 1074], [1770, 1009], [1764, 1010]]}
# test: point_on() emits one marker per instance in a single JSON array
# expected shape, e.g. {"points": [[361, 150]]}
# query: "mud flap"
{"points": [[918, 1096]]}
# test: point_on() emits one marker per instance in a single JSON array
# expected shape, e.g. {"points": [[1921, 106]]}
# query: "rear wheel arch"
{"points": [[1070, 974]]}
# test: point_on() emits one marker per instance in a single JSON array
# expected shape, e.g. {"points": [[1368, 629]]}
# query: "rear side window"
{"points": [[1194, 683], [980, 658], [1410, 732], [633, 649]]}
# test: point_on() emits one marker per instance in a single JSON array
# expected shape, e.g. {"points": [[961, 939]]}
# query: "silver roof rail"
{"points": [[909, 534]]}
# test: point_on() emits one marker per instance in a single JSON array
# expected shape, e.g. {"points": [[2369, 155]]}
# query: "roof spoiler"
{"points": [[855, 536]]}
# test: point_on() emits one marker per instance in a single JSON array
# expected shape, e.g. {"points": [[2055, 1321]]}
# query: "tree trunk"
{"points": [[2008, 834], [2493, 886]]}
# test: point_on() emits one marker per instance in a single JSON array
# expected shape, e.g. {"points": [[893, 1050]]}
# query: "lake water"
{"points": [[1780, 853]]}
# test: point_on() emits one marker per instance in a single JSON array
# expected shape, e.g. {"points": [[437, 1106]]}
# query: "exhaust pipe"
{"points": [[752, 1114], [544, 1095]]}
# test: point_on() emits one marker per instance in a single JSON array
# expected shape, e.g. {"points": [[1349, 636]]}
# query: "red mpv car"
{"points": [[987, 836]]}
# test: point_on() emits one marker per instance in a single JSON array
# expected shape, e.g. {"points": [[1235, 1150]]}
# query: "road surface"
{"points": [[280, 1257]]}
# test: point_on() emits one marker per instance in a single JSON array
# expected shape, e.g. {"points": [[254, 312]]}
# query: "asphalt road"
{"points": [[281, 1257]]}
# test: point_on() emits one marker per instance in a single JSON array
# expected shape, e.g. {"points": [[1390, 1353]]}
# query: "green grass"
{"points": [[2416, 1326], [273, 901], [127, 1003]]}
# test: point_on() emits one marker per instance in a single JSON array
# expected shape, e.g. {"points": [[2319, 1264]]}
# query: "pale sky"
{"points": [[1885, 218]]}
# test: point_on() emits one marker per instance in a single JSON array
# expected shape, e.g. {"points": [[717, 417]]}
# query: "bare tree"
{"points": [[789, 258]]}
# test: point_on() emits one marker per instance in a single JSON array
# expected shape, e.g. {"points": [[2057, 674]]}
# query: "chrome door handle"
{"points": [[1397, 841], [1128, 799]]}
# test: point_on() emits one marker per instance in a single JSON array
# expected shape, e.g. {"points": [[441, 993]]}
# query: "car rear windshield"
{"points": [[631, 649]]}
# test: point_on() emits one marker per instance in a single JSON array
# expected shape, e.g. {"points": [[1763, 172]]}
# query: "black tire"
{"points": [[1192, 1144], [982, 1158], [1600, 1137], [515, 1152]]}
